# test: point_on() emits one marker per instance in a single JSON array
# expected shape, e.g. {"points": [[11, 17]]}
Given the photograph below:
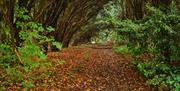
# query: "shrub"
{"points": [[20, 62], [157, 35]]}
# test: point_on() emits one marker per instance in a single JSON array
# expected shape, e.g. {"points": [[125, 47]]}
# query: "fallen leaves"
{"points": [[91, 69], [97, 69]]}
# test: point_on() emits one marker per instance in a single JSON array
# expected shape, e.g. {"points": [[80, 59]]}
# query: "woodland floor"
{"points": [[93, 68]]}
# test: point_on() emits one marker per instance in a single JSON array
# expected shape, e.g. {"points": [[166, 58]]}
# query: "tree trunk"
{"points": [[134, 9]]}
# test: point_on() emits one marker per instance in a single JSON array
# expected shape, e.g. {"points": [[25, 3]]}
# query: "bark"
{"points": [[134, 9], [161, 2], [178, 4], [8, 15]]}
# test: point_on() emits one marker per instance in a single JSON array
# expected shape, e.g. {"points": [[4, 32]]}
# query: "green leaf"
{"points": [[42, 56], [57, 45], [50, 29]]}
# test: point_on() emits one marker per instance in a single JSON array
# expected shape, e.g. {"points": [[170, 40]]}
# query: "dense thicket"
{"points": [[149, 32]]}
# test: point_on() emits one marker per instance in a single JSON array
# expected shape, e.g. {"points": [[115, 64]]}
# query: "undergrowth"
{"points": [[22, 65], [154, 43]]}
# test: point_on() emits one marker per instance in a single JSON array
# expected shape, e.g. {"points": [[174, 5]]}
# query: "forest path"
{"points": [[95, 68]]}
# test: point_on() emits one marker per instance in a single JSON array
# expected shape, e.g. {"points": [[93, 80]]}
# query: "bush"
{"points": [[19, 62], [156, 35]]}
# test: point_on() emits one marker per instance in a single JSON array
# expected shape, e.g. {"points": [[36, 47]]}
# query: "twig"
{"points": [[18, 56]]}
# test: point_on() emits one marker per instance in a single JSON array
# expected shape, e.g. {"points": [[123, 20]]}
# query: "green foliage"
{"points": [[160, 74], [20, 62], [172, 81], [106, 34], [149, 69], [157, 35], [5, 32], [7, 56], [121, 49], [27, 84], [12, 72], [57, 45], [33, 35], [154, 34], [21, 13]]}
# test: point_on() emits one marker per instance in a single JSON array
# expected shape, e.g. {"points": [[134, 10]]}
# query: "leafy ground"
{"points": [[92, 68]]}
